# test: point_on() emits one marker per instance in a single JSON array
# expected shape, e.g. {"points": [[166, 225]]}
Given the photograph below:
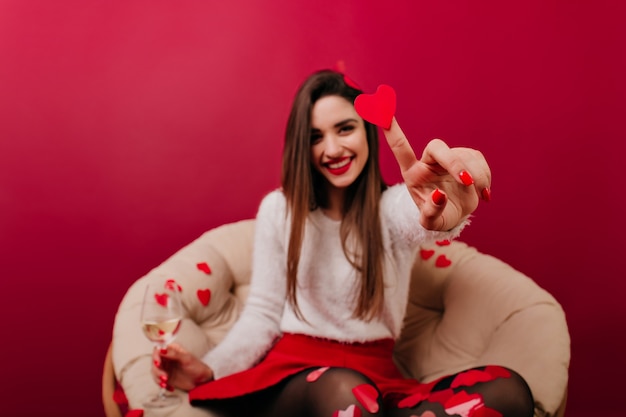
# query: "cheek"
{"points": [[364, 147], [315, 157]]}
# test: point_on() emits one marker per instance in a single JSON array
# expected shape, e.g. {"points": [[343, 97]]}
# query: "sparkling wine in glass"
{"points": [[161, 315]]}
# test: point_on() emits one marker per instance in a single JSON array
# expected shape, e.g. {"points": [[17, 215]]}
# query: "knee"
{"points": [[512, 395], [343, 380], [346, 386], [522, 398]]}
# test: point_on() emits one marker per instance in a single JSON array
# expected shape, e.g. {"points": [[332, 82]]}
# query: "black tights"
{"points": [[333, 394]]}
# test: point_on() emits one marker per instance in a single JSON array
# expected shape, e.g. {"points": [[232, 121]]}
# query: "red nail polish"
{"points": [[163, 378], [438, 197], [486, 193], [157, 363], [466, 178], [163, 351]]}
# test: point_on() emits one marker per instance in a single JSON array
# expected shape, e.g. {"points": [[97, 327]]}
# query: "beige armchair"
{"points": [[465, 309]]}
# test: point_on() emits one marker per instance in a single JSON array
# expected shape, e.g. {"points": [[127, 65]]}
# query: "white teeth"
{"points": [[339, 164]]}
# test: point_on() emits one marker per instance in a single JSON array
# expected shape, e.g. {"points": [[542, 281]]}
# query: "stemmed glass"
{"points": [[161, 315]]}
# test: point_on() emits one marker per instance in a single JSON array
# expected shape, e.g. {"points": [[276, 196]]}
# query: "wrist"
{"points": [[206, 376]]}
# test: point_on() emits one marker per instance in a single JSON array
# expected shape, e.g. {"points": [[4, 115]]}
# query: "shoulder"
{"points": [[273, 205], [394, 196], [274, 199]]}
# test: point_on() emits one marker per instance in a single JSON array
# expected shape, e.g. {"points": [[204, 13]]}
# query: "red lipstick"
{"points": [[339, 166]]}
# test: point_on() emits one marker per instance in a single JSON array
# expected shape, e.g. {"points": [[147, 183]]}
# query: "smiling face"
{"points": [[339, 149]]}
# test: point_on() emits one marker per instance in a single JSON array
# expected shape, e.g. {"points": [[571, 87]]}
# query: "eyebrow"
{"points": [[338, 124]]}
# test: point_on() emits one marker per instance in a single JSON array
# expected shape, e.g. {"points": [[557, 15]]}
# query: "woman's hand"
{"points": [[177, 368], [446, 183]]}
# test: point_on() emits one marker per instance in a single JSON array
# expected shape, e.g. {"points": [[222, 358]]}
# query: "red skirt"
{"points": [[295, 353]]}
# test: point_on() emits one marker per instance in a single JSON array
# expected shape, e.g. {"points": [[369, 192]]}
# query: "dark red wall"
{"points": [[128, 128]]}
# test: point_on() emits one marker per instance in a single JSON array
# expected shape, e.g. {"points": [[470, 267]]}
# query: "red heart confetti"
{"points": [[204, 296], [486, 412], [418, 394], [340, 67], [350, 82], [442, 261], [367, 395], [204, 267], [378, 108], [498, 371], [161, 299], [119, 396], [441, 396], [442, 242], [463, 404], [314, 375], [412, 400], [470, 378], [134, 413], [171, 284], [351, 411], [426, 253]]}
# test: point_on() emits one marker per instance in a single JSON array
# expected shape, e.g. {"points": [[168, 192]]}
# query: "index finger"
{"points": [[400, 146]]}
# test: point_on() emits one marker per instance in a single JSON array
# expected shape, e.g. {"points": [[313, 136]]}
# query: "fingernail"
{"points": [[438, 197], [163, 378], [466, 178], [163, 351], [486, 193], [157, 363], [163, 384]]}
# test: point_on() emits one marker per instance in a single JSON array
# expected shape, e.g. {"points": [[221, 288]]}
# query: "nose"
{"points": [[332, 146]]}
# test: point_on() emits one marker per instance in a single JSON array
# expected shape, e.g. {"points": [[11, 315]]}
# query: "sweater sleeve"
{"points": [[258, 326], [401, 214]]}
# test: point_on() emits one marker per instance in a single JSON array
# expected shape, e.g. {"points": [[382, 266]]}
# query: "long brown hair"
{"points": [[304, 191]]}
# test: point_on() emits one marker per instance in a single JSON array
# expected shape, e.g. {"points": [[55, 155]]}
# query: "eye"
{"points": [[345, 129], [316, 137]]}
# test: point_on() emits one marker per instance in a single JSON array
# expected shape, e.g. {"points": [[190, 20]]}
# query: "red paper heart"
{"points": [[204, 267], [498, 371], [161, 299], [441, 396], [486, 412], [470, 378], [171, 284], [134, 413], [412, 400], [442, 261], [426, 253], [314, 375], [418, 394], [367, 395], [204, 296], [461, 397], [350, 82], [443, 242], [351, 411], [378, 108], [119, 396], [463, 403]]}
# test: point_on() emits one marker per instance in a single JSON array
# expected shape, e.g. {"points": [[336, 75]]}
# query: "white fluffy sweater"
{"points": [[327, 282]]}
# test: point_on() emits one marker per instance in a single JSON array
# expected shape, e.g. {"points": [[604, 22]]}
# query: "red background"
{"points": [[128, 128]]}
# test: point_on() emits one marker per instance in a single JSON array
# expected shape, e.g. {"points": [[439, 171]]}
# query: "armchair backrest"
{"points": [[465, 309]]}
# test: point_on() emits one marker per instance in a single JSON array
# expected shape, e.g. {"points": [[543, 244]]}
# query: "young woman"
{"points": [[332, 258]]}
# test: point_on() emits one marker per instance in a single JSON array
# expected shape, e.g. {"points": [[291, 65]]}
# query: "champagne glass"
{"points": [[161, 315]]}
